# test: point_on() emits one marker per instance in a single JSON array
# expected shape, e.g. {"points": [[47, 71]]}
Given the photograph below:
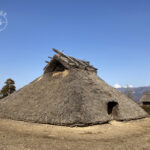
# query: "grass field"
{"points": [[132, 135]]}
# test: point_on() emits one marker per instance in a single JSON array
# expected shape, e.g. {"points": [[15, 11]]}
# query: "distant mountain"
{"points": [[137, 92]]}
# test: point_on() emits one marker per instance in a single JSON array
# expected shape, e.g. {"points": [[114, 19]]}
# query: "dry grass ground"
{"points": [[132, 135]]}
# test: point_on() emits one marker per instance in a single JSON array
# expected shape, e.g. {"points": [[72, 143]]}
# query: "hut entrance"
{"points": [[146, 103], [112, 109]]}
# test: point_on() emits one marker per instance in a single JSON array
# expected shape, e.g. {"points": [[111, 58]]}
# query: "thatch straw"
{"points": [[145, 97], [68, 96]]}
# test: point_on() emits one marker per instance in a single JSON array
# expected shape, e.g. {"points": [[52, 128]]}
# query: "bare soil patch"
{"points": [[131, 135]]}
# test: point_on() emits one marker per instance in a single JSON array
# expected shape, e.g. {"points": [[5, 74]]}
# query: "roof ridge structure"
{"points": [[68, 62]]}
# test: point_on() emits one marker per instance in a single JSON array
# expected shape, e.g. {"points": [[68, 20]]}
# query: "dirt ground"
{"points": [[132, 135]]}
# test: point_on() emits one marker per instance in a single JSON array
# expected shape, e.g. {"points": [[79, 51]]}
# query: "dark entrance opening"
{"points": [[54, 66], [112, 109], [57, 66], [146, 103]]}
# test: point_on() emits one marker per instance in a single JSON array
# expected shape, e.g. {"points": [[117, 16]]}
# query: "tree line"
{"points": [[8, 88]]}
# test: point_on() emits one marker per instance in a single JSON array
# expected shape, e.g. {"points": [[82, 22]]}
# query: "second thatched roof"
{"points": [[145, 97]]}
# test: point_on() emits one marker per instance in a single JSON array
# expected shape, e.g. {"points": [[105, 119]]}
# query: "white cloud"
{"points": [[117, 86], [130, 86]]}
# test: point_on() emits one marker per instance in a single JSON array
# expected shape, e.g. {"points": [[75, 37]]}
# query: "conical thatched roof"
{"points": [[145, 97], [69, 93]]}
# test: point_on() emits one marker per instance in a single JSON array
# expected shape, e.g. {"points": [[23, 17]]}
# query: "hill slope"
{"points": [[137, 92]]}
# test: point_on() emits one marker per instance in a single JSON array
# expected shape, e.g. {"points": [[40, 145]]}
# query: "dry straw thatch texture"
{"points": [[145, 97], [69, 93]]}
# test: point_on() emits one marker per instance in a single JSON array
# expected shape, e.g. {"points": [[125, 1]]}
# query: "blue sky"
{"points": [[114, 35]]}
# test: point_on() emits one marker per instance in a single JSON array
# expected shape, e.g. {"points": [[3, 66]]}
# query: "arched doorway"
{"points": [[112, 109]]}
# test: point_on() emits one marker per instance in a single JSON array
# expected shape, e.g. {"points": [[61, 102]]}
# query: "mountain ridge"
{"points": [[136, 91]]}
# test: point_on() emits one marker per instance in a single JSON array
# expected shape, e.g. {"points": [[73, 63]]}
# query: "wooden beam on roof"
{"points": [[69, 58], [71, 61], [58, 52]]}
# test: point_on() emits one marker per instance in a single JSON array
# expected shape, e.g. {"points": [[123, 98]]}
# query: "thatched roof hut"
{"points": [[69, 93], [145, 99]]}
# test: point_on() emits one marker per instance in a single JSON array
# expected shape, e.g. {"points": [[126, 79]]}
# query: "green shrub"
{"points": [[9, 88]]}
